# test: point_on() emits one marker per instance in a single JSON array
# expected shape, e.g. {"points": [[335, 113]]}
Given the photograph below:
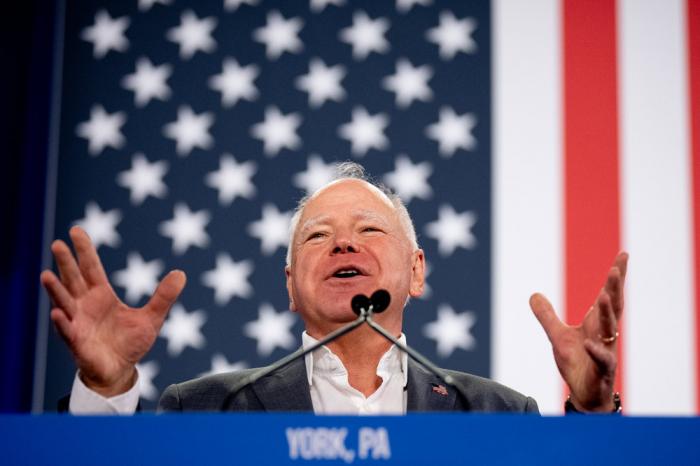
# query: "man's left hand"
{"points": [[586, 354]]}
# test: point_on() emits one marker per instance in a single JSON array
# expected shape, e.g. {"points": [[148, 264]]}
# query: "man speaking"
{"points": [[350, 237]]}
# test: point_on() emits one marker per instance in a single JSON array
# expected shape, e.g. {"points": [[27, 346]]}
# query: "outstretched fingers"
{"points": [[68, 268], [57, 292], [63, 324], [607, 321], [546, 316], [615, 285], [604, 358], [621, 264], [165, 295], [88, 260]]}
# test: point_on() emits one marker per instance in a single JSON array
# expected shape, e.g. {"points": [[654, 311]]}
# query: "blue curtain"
{"points": [[26, 60]]}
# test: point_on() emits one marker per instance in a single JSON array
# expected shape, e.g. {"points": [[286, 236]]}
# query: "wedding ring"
{"points": [[608, 340]]}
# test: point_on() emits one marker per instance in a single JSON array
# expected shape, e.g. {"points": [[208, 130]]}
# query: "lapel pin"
{"points": [[440, 389]]}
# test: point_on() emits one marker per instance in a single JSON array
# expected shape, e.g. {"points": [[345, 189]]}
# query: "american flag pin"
{"points": [[440, 389]]}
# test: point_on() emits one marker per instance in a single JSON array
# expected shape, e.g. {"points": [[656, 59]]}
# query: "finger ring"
{"points": [[608, 340]]}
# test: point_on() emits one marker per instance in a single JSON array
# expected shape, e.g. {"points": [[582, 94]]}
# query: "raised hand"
{"points": [[107, 337], [586, 354]]}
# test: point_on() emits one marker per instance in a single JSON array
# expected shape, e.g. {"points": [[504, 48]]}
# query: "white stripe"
{"points": [[528, 225], [656, 226]]}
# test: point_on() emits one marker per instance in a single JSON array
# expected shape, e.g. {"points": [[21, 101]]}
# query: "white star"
{"points": [[186, 228], [317, 174], [106, 34], [183, 329], [220, 365], [235, 82], [319, 5], [365, 131], [144, 179], [101, 226], [409, 180], [232, 179], [193, 34], [190, 130], [404, 6], [451, 330], [453, 35], [280, 35], [232, 5], [145, 5], [272, 229], [272, 329], [409, 83], [452, 230], [148, 82], [229, 279], [277, 131], [366, 35], [147, 372], [102, 130], [453, 131], [322, 83], [139, 278]]}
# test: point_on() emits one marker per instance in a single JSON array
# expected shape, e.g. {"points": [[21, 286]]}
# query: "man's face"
{"points": [[349, 240]]}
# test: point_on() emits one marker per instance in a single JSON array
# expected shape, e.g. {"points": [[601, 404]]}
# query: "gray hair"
{"points": [[354, 171]]}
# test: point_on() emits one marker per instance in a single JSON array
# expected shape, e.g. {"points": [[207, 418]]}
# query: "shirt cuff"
{"points": [[86, 401]]}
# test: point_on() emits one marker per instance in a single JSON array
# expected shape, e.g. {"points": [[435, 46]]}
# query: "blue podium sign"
{"points": [[296, 439]]}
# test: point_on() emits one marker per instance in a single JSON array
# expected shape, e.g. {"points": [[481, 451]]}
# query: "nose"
{"points": [[344, 245]]}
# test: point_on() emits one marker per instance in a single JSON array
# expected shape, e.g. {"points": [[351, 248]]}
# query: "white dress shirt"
{"points": [[332, 394], [86, 401], [328, 382]]}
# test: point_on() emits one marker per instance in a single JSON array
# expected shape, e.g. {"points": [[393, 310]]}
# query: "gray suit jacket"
{"points": [[288, 390]]}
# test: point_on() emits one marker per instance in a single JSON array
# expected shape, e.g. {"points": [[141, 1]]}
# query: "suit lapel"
{"points": [[425, 392], [286, 389]]}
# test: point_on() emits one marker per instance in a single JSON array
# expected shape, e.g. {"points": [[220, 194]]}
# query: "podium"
{"points": [[299, 439]]}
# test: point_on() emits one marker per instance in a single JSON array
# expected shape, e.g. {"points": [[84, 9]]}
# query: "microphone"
{"points": [[360, 303], [378, 303], [290, 358]]}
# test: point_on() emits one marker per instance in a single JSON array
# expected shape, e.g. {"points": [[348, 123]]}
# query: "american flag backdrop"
{"points": [[530, 141]]}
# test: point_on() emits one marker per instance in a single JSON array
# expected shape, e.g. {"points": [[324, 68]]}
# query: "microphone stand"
{"points": [[361, 319], [415, 355], [422, 360]]}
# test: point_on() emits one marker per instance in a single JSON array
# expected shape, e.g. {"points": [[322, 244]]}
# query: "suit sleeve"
{"points": [[531, 406], [170, 400]]}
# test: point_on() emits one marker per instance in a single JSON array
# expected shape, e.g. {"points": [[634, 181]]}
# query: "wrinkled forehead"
{"points": [[350, 187], [367, 200]]}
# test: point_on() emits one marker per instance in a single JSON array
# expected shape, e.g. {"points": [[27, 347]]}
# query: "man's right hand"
{"points": [[107, 337]]}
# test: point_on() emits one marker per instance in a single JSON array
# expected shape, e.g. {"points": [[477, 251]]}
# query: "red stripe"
{"points": [[693, 16], [591, 190]]}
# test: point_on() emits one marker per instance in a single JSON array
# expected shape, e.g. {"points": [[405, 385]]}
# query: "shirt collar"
{"points": [[390, 360]]}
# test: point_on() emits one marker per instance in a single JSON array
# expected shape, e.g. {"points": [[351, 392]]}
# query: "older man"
{"points": [[349, 237]]}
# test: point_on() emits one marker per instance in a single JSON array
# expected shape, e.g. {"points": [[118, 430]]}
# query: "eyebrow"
{"points": [[361, 214]]}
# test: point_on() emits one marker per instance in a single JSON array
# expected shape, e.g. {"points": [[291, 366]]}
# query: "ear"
{"points": [[417, 274], [288, 274]]}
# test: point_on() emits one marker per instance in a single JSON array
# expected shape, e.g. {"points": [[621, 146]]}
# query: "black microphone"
{"points": [[362, 313], [378, 303], [380, 300], [360, 303]]}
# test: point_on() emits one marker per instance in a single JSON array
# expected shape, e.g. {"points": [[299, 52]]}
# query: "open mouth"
{"points": [[347, 273]]}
